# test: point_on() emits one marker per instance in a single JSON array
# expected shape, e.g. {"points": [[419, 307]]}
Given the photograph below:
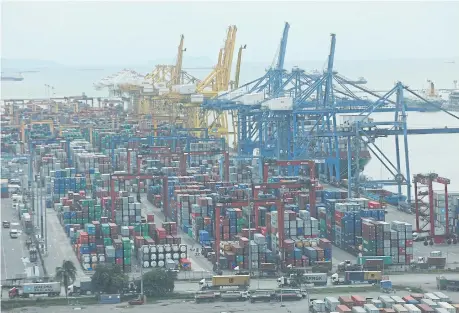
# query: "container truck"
{"points": [[318, 279], [261, 296], [50, 289], [219, 281], [81, 286], [444, 283], [358, 277]]}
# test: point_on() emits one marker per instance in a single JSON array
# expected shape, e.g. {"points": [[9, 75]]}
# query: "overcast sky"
{"points": [[128, 32]]}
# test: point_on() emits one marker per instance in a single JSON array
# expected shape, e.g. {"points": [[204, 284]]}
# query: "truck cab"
{"points": [[6, 224]]}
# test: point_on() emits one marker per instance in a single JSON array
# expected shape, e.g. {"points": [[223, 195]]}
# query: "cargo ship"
{"points": [[436, 100], [12, 77]]}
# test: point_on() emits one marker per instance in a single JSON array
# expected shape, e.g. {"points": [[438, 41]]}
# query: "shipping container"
{"points": [[387, 301], [316, 278], [447, 306], [331, 303], [412, 308], [432, 297], [429, 302], [398, 300], [370, 308], [358, 300], [343, 308], [399, 308], [53, 288], [442, 297], [425, 308], [358, 309]]}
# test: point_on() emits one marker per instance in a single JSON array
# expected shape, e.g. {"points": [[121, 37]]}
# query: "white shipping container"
{"points": [[197, 98], [447, 306], [370, 308], [442, 296], [432, 297], [441, 310], [331, 303], [358, 309], [280, 104], [399, 308], [412, 308]]}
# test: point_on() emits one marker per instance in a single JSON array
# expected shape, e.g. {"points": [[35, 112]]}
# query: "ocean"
{"points": [[428, 153]]}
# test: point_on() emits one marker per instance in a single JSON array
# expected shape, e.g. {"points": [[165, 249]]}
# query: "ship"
{"points": [[14, 78], [453, 99], [436, 102]]}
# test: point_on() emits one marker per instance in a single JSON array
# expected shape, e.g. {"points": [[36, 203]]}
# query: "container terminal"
{"points": [[208, 177]]}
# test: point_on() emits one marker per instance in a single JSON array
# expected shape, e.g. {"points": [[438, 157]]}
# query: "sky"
{"points": [[129, 32]]}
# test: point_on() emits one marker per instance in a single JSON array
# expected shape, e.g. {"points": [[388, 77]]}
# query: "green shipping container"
{"points": [[386, 259]]}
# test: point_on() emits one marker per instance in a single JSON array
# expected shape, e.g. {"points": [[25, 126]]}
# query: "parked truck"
{"points": [[80, 287], [50, 289], [317, 279], [219, 281], [356, 277], [444, 283]]}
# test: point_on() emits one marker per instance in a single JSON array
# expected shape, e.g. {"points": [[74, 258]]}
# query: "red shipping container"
{"points": [[342, 309], [358, 300], [150, 218], [409, 243]]}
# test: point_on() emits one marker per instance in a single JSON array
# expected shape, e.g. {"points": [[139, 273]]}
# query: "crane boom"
{"points": [[177, 72]]}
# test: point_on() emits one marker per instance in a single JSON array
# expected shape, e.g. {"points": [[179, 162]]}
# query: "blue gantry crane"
{"points": [[325, 117]]}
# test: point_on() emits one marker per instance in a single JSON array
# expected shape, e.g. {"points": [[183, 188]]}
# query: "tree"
{"points": [[66, 274], [158, 282], [109, 279]]}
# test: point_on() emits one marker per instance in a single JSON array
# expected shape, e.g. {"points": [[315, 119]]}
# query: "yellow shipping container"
{"points": [[231, 280], [373, 275]]}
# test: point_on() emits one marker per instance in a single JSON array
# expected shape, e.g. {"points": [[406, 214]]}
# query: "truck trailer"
{"points": [[51, 289]]}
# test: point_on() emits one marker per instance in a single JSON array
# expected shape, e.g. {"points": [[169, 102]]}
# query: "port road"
{"points": [[173, 306], [15, 256], [425, 281], [59, 247]]}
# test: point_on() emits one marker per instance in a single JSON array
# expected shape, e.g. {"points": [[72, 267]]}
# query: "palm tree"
{"points": [[66, 274]]}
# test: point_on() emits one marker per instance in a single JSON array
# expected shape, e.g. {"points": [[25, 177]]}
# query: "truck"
{"points": [[262, 296], [219, 281], [317, 279], [233, 295], [444, 283], [356, 277], [51, 289], [82, 286]]}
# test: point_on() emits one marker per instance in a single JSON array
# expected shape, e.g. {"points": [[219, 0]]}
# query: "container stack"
{"points": [[128, 212], [238, 254], [65, 181], [401, 238]]}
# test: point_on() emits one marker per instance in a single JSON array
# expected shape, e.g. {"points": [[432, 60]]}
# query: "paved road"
{"points": [[15, 256], [198, 263], [426, 281], [58, 244], [174, 306]]}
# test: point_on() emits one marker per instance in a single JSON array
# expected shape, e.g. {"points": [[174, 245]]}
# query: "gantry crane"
{"points": [[216, 82]]}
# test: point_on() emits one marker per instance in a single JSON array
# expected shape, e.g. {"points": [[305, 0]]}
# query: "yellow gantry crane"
{"points": [[216, 82]]}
